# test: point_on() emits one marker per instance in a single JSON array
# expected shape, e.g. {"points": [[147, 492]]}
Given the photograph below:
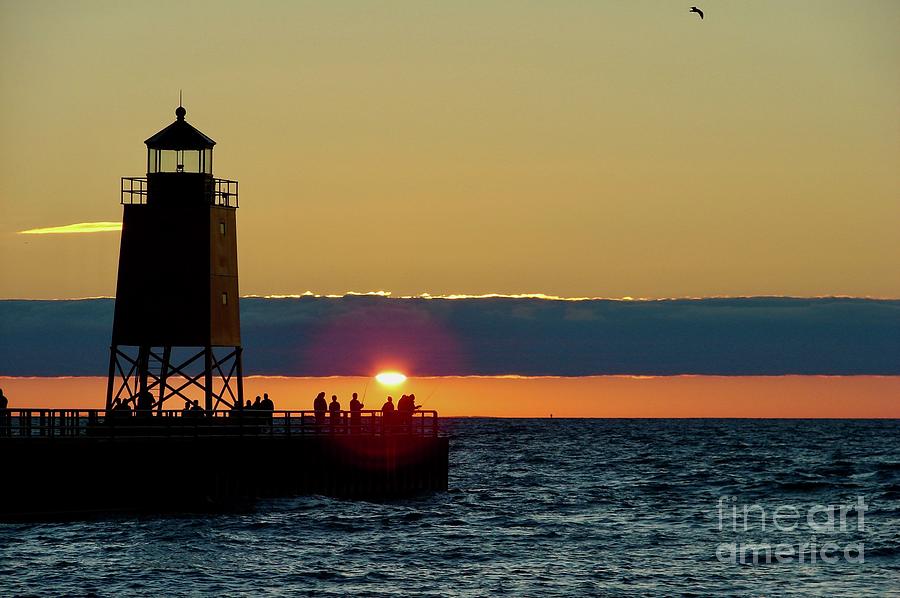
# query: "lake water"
{"points": [[536, 507]]}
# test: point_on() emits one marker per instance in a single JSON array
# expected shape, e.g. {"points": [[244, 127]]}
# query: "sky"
{"points": [[573, 148], [602, 396]]}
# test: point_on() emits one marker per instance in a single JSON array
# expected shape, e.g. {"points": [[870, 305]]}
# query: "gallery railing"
{"points": [[220, 192], [98, 423]]}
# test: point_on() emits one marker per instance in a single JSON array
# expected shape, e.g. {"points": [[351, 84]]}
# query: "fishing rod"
{"points": [[428, 398]]}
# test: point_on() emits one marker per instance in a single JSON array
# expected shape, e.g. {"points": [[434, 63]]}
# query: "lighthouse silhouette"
{"points": [[176, 330]]}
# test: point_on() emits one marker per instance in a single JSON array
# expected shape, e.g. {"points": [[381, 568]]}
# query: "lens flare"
{"points": [[390, 378]]}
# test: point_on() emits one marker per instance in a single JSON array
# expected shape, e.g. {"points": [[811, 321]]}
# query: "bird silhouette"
{"points": [[698, 11]]}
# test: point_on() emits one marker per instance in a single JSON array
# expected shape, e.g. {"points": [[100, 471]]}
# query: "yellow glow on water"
{"points": [[78, 227], [390, 378]]}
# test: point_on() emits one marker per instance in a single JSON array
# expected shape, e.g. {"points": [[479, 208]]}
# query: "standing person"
{"points": [[411, 405], [355, 415], [144, 407], [237, 411], [197, 410], [411, 410], [403, 412], [334, 408], [387, 413], [255, 407], [267, 407], [320, 407], [5, 427]]}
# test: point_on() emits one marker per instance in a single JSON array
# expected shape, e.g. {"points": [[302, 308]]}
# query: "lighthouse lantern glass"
{"points": [[196, 161]]}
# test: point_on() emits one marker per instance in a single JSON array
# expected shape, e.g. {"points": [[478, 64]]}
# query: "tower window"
{"points": [[224, 298], [222, 228]]}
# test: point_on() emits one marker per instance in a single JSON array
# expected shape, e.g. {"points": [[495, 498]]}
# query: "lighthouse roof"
{"points": [[180, 136]]}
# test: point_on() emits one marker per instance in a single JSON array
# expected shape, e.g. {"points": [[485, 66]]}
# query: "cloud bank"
{"points": [[77, 228], [359, 335]]}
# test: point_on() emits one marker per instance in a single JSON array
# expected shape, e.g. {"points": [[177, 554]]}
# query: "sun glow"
{"points": [[390, 378]]}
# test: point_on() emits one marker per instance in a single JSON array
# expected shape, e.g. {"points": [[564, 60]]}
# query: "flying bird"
{"points": [[698, 11]]}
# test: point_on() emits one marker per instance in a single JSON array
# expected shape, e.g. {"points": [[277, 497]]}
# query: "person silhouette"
{"points": [[144, 407], [186, 411], [402, 415], [406, 406], [411, 410], [355, 415], [235, 410], [320, 407], [387, 412], [334, 408], [256, 406], [5, 419], [267, 407]]}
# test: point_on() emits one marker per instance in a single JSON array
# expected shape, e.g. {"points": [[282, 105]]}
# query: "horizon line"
{"points": [[464, 296], [496, 376]]}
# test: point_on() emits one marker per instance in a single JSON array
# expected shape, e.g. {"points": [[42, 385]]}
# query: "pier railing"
{"points": [[99, 423]]}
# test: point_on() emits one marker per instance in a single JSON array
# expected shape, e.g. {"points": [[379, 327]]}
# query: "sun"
{"points": [[390, 378]]}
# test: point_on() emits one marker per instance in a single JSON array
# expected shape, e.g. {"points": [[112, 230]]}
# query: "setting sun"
{"points": [[390, 378]]}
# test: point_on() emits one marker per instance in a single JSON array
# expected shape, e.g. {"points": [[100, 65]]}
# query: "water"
{"points": [[536, 508]]}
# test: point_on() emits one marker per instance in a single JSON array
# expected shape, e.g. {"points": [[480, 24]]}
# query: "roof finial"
{"points": [[180, 111]]}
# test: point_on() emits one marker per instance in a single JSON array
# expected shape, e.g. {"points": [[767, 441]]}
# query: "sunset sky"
{"points": [[603, 396], [571, 148]]}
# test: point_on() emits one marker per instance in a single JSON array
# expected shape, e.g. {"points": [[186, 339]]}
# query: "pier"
{"points": [[77, 462]]}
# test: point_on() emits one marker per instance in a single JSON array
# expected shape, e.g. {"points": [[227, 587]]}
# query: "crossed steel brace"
{"points": [[139, 378]]}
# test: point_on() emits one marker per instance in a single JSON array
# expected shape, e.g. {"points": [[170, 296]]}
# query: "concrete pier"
{"points": [[67, 463]]}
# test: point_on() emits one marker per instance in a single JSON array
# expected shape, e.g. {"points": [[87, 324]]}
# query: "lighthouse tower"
{"points": [[176, 332]]}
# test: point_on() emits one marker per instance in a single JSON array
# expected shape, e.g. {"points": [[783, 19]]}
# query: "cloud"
{"points": [[360, 334], [77, 228]]}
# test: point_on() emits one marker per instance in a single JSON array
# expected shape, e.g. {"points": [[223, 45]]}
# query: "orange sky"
{"points": [[601, 396], [572, 148]]}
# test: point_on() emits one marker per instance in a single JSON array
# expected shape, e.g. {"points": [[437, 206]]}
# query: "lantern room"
{"points": [[179, 148]]}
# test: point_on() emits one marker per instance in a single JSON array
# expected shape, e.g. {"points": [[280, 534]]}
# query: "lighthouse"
{"points": [[176, 329]]}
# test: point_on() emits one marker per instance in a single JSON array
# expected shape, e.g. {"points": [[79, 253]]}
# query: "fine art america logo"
{"points": [[813, 531]]}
